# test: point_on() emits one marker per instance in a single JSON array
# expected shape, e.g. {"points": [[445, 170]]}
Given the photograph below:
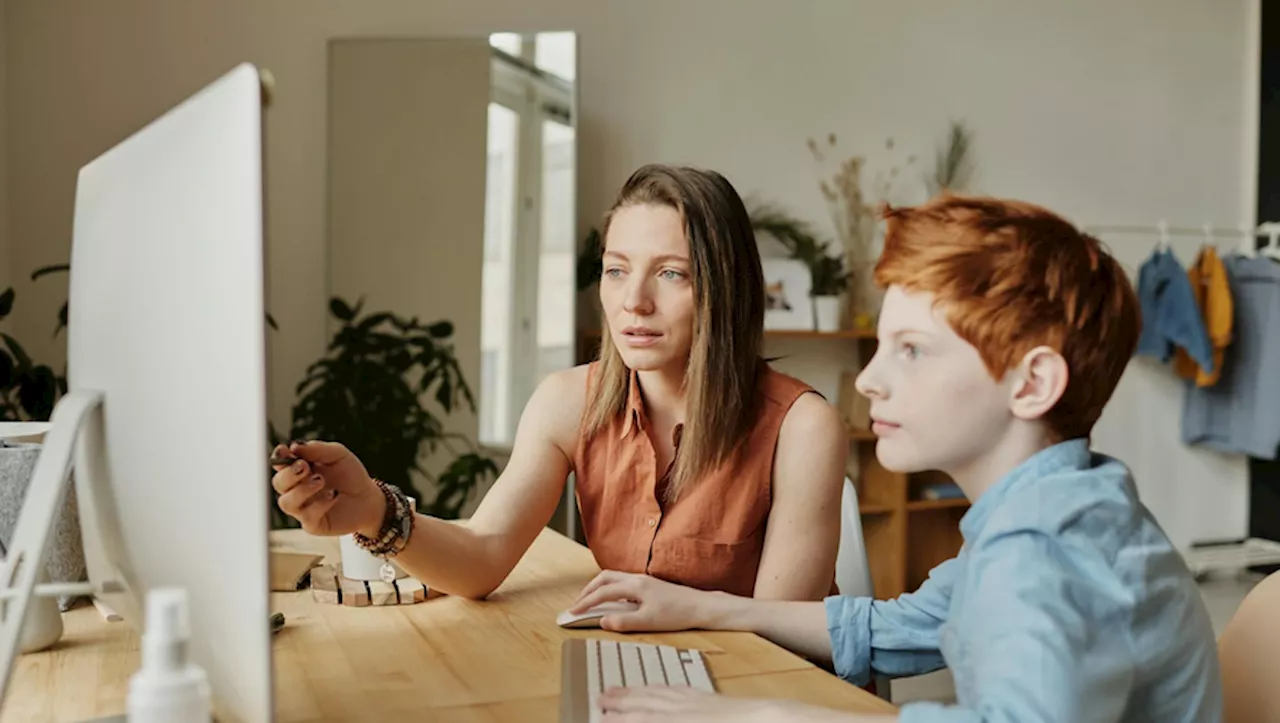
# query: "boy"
{"points": [[1003, 333]]}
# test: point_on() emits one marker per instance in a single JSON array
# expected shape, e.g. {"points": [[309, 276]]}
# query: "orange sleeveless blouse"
{"points": [[713, 536]]}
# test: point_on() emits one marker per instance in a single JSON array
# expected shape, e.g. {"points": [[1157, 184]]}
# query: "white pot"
{"points": [[42, 626], [826, 313], [357, 564]]}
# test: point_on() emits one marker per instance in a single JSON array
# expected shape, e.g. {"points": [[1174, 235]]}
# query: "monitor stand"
{"points": [[26, 554]]}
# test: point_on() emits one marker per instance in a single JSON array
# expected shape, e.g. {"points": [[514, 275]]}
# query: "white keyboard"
{"points": [[591, 667]]}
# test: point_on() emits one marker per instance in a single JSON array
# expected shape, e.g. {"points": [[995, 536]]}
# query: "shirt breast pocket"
{"points": [[707, 565]]}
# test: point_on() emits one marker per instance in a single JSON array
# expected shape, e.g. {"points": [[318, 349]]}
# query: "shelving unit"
{"points": [[906, 535]]}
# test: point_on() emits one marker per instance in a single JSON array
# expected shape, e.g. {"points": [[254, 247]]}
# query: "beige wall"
{"points": [[6, 263], [406, 158], [1110, 112]]}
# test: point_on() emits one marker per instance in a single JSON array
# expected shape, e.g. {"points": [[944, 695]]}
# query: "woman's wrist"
{"points": [[375, 517], [722, 611]]}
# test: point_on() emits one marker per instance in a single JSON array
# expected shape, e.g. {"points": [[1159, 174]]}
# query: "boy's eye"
{"points": [[910, 351]]}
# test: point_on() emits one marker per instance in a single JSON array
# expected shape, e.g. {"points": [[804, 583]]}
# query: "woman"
{"points": [[743, 499]]}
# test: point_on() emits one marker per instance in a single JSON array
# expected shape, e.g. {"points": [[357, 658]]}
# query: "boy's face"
{"points": [[934, 405]]}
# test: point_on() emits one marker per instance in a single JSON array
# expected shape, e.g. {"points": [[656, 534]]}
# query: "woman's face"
{"points": [[646, 287]]}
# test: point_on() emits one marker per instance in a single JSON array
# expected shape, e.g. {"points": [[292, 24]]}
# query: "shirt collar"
{"points": [[635, 407], [636, 417], [1071, 455]]}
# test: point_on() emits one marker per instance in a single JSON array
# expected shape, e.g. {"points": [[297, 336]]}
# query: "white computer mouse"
{"points": [[591, 617]]}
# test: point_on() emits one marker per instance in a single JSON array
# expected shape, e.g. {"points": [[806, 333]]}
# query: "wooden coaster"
{"points": [[329, 586]]}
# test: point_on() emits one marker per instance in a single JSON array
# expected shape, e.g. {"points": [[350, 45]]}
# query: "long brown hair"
{"points": [[722, 376]]}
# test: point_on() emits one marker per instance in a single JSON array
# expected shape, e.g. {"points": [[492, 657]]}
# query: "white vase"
{"points": [[826, 313]]}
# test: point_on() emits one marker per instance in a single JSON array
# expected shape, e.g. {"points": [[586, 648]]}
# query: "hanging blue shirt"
{"points": [[1170, 315], [1067, 603]]}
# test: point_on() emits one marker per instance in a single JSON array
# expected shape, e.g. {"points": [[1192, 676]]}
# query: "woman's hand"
{"points": [[664, 606], [328, 490]]}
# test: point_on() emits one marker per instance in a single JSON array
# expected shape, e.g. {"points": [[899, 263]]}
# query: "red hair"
{"points": [[1011, 276]]}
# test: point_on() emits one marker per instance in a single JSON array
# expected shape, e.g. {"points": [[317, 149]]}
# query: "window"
{"points": [[509, 43], [530, 240]]}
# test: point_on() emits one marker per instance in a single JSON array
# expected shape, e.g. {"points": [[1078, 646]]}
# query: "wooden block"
{"points": [[354, 592], [288, 568], [325, 577], [411, 591], [327, 597], [432, 594], [382, 593]]}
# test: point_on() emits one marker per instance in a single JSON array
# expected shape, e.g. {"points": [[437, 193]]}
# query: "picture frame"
{"points": [[788, 284]]}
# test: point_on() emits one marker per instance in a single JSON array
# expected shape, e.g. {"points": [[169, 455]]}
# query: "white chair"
{"points": [[853, 570]]}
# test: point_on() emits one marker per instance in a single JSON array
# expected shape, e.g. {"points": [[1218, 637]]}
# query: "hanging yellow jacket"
{"points": [[1212, 292]]}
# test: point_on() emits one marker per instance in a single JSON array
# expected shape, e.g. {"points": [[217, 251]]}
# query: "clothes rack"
{"points": [[1232, 555], [1208, 232], [1264, 229]]}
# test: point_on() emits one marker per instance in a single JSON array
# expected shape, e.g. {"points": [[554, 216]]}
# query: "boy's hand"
{"points": [[687, 705], [664, 606]]}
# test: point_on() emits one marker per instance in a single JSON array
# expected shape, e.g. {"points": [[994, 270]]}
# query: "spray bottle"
{"points": [[168, 688]]}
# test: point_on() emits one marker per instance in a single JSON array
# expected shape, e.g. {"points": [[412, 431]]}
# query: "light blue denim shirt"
{"points": [[1066, 603]]}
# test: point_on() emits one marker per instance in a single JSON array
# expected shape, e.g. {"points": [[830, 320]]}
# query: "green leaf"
{"points": [[271, 322], [441, 329], [6, 303], [55, 268], [19, 354], [340, 310], [6, 370], [62, 319], [38, 393]]}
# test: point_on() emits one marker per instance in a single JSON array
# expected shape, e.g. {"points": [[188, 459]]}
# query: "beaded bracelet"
{"points": [[397, 525]]}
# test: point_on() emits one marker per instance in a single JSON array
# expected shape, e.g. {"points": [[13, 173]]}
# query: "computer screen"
{"points": [[167, 323]]}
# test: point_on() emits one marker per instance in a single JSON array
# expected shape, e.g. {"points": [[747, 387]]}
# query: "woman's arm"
{"points": [[472, 558], [803, 530]]}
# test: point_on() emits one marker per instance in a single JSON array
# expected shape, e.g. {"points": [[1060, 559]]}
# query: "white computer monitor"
{"points": [[166, 405]]}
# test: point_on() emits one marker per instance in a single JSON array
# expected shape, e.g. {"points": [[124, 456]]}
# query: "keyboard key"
{"points": [[653, 665], [672, 664], [633, 674], [698, 676], [594, 681], [610, 663]]}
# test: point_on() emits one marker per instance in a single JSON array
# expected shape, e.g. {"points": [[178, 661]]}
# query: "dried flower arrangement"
{"points": [[854, 216]]}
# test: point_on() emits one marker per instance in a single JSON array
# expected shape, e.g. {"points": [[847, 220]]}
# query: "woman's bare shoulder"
{"points": [[558, 403]]}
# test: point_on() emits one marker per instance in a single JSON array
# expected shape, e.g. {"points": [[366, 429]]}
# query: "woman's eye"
{"points": [[672, 275], [613, 272]]}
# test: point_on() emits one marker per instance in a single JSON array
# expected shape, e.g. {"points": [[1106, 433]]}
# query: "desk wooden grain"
{"points": [[462, 660]]}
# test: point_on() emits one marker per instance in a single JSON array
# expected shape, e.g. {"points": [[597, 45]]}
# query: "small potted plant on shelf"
{"points": [[830, 279]]}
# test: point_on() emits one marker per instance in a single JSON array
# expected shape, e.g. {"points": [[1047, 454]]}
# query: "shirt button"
{"points": [[652, 522]]}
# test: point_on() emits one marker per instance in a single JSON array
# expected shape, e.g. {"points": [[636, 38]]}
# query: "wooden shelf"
{"points": [[876, 509], [914, 505], [862, 435]]}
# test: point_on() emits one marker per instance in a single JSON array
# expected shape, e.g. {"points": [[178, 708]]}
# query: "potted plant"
{"points": [[829, 277], [28, 393], [382, 389]]}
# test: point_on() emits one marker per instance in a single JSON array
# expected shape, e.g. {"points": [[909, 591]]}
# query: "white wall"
{"points": [[1104, 111], [407, 187]]}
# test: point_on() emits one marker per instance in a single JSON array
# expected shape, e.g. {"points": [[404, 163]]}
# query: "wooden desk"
{"points": [[461, 660]]}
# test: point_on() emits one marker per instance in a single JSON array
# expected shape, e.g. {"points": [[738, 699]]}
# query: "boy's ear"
{"points": [[1041, 381]]}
